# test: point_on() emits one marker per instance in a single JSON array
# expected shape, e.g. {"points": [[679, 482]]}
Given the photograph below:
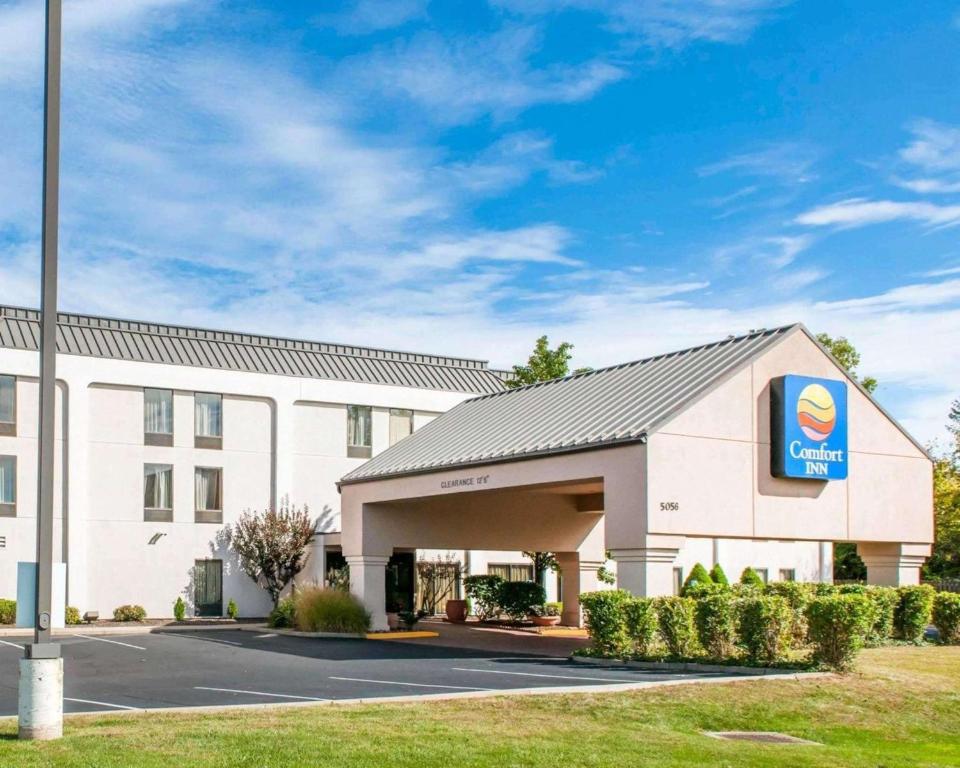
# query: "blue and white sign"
{"points": [[808, 425]]}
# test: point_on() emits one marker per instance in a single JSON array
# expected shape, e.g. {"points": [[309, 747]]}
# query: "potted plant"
{"points": [[410, 619], [547, 615], [456, 611]]}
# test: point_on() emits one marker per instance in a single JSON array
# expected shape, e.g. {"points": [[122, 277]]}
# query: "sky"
{"points": [[460, 178]]}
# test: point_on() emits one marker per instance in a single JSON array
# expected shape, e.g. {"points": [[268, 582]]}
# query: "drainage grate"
{"points": [[764, 737]]}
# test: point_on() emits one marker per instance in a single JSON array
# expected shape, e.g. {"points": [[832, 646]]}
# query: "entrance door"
{"points": [[208, 588]]}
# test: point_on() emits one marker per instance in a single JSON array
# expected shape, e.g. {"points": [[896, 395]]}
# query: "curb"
{"points": [[297, 633], [137, 629], [688, 666]]}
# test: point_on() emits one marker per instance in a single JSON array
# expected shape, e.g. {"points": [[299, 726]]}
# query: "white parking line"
{"points": [[414, 685], [115, 642], [100, 703], [262, 637], [216, 640], [258, 693], [12, 645], [539, 674]]}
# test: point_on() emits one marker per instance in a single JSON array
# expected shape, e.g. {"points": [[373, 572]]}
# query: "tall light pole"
{"points": [[41, 669]]}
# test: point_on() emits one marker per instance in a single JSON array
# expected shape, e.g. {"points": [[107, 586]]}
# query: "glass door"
{"points": [[208, 588]]}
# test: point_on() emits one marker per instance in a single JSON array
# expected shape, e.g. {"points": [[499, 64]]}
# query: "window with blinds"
{"points": [[511, 571]]}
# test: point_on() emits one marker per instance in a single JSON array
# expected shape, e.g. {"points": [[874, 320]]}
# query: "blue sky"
{"points": [[461, 177]]}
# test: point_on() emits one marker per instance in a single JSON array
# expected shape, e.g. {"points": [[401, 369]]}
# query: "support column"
{"points": [[893, 565], [368, 581], [579, 576], [315, 569], [646, 572]]}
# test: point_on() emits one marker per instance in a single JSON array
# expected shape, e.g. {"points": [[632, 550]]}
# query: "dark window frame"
{"points": [[9, 428]]}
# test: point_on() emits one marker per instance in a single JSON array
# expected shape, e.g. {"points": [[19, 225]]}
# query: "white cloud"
{"points": [[935, 152], [774, 251], [859, 212], [787, 162], [670, 23], [366, 16], [461, 79]]}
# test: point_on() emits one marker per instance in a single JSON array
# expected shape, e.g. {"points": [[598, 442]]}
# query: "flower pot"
{"points": [[456, 611], [393, 621], [545, 621]]}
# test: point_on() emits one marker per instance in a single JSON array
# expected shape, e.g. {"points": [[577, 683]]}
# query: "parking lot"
{"points": [[228, 667]]}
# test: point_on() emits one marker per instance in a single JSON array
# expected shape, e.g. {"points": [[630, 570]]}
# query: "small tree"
{"points": [[717, 576], [751, 578], [698, 577], [544, 364], [542, 562], [272, 545]]}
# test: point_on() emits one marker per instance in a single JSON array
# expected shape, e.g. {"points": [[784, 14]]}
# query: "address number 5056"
{"points": [[669, 506]]}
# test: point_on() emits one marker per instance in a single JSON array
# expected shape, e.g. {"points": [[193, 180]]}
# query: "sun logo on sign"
{"points": [[816, 412]]}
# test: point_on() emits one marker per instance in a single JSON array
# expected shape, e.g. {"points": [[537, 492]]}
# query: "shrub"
{"points": [[8, 611], [675, 615], [547, 609], [715, 617], [72, 616], [717, 576], [797, 596], [698, 575], [282, 617], [603, 613], [751, 578], [764, 625], [129, 613], [484, 591], [825, 589], [410, 619], [839, 625], [913, 612], [884, 601], [946, 617], [640, 621], [179, 609], [316, 609], [232, 610], [516, 598]]}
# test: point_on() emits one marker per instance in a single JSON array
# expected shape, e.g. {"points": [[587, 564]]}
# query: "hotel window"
{"points": [[359, 431], [208, 484], [158, 493], [158, 417], [8, 486], [677, 580], [8, 405], [207, 420], [788, 574], [401, 424], [763, 574], [511, 571]]}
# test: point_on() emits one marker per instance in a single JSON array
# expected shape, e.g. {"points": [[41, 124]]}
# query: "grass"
{"points": [[901, 708]]}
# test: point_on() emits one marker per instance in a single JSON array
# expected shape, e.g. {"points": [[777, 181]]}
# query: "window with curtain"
{"points": [[8, 479], [401, 424], [511, 571], [208, 415], [359, 431], [788, 574], [8, 400], [158, 411], [157, 486], [209, 489]]}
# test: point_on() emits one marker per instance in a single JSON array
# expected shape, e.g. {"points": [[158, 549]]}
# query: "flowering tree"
{"points": [[272, 545]]}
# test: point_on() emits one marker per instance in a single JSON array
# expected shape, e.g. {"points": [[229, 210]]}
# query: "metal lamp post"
{"points": [[41, 669]]}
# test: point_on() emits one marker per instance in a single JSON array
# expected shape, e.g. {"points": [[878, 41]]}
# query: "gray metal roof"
{"points": [[176, 345], [610, 406]]}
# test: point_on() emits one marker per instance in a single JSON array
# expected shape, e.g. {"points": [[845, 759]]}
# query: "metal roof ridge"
{"points": [[279, 342]]}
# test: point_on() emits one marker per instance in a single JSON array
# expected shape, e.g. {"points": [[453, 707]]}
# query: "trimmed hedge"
{"points": [[884, 601], [8, 611], [517, 598], [717, 576], [914, 612], [484, 592], [72, 616], [604, 615], [675, 615], [641, 624], [839, 626], [716, 620], [946, 617], [751, 578], [765, 623]]}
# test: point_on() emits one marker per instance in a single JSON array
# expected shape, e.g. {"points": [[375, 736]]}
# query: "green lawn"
{"points": [[902, 708]]}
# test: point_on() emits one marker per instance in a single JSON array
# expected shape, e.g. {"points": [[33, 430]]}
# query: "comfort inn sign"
{"points": [[808, 425]]}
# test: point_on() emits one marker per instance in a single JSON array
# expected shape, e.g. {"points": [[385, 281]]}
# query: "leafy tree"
{"points": [[698, 575], [750, 578], [847, 355], [544, 364], [272, 545], [717, 576], [945, 560], [847, 565], [542, 562]]}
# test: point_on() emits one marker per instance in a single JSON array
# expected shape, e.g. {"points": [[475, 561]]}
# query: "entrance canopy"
{"points": [[635, 458]]}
